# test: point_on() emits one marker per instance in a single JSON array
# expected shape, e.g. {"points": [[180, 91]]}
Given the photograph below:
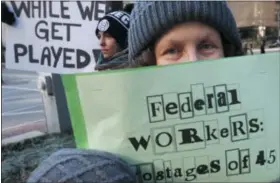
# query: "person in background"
{"points": [[262, 48], [8, 18], [278, 40], [111, 32], [245, 49], [251, 49]]}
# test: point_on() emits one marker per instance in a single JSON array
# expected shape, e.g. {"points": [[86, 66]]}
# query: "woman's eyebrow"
{"points": [[172, 42], [175, 42], [208, 35]]}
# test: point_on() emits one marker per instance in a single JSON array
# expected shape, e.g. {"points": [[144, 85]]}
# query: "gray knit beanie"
{"points": [[150, 19], [85, 166]]}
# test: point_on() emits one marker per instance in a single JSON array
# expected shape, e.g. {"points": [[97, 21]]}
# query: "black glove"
{"points": [[7, 16]]}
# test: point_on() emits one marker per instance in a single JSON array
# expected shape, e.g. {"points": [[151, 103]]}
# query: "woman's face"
{"points": [[188, 42], [108, 44]]}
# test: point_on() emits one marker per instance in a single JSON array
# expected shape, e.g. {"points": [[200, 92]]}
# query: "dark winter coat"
{"points": [[118, 61]]}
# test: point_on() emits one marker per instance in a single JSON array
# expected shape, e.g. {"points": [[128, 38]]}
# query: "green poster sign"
{"points": [[208, 121]]}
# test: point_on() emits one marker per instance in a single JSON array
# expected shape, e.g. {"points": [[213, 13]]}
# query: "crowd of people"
{"points": [[153, 33], [143, 34], [167, 36]]}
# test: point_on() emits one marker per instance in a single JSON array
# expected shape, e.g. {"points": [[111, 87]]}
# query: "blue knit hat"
{"points": [[150, 19], [84, 166]]}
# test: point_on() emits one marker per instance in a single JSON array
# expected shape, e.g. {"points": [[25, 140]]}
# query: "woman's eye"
{"points": [[172, 54], [171, 51], [207, 46]]}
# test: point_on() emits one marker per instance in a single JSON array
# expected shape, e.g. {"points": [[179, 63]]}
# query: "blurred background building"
{"points": [[257, 20]]}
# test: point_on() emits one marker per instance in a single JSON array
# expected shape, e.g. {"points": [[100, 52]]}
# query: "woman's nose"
{"points": [[102, 41], [190, 55]]}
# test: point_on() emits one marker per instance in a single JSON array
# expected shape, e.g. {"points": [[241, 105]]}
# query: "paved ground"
{"points": [[23, 117], [22, 107]]}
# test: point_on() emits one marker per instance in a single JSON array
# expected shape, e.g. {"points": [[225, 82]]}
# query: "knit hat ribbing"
{"points": [[116, 24], [81, 165], [150, 19]]}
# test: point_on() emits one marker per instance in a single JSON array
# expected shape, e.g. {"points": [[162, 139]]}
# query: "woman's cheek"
{"points": [[219, 54], [173, 57], [165, 61], [211, 54]]}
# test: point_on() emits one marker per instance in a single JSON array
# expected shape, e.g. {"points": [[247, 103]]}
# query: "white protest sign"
{"points": [[54, 36], [211, 121]]}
